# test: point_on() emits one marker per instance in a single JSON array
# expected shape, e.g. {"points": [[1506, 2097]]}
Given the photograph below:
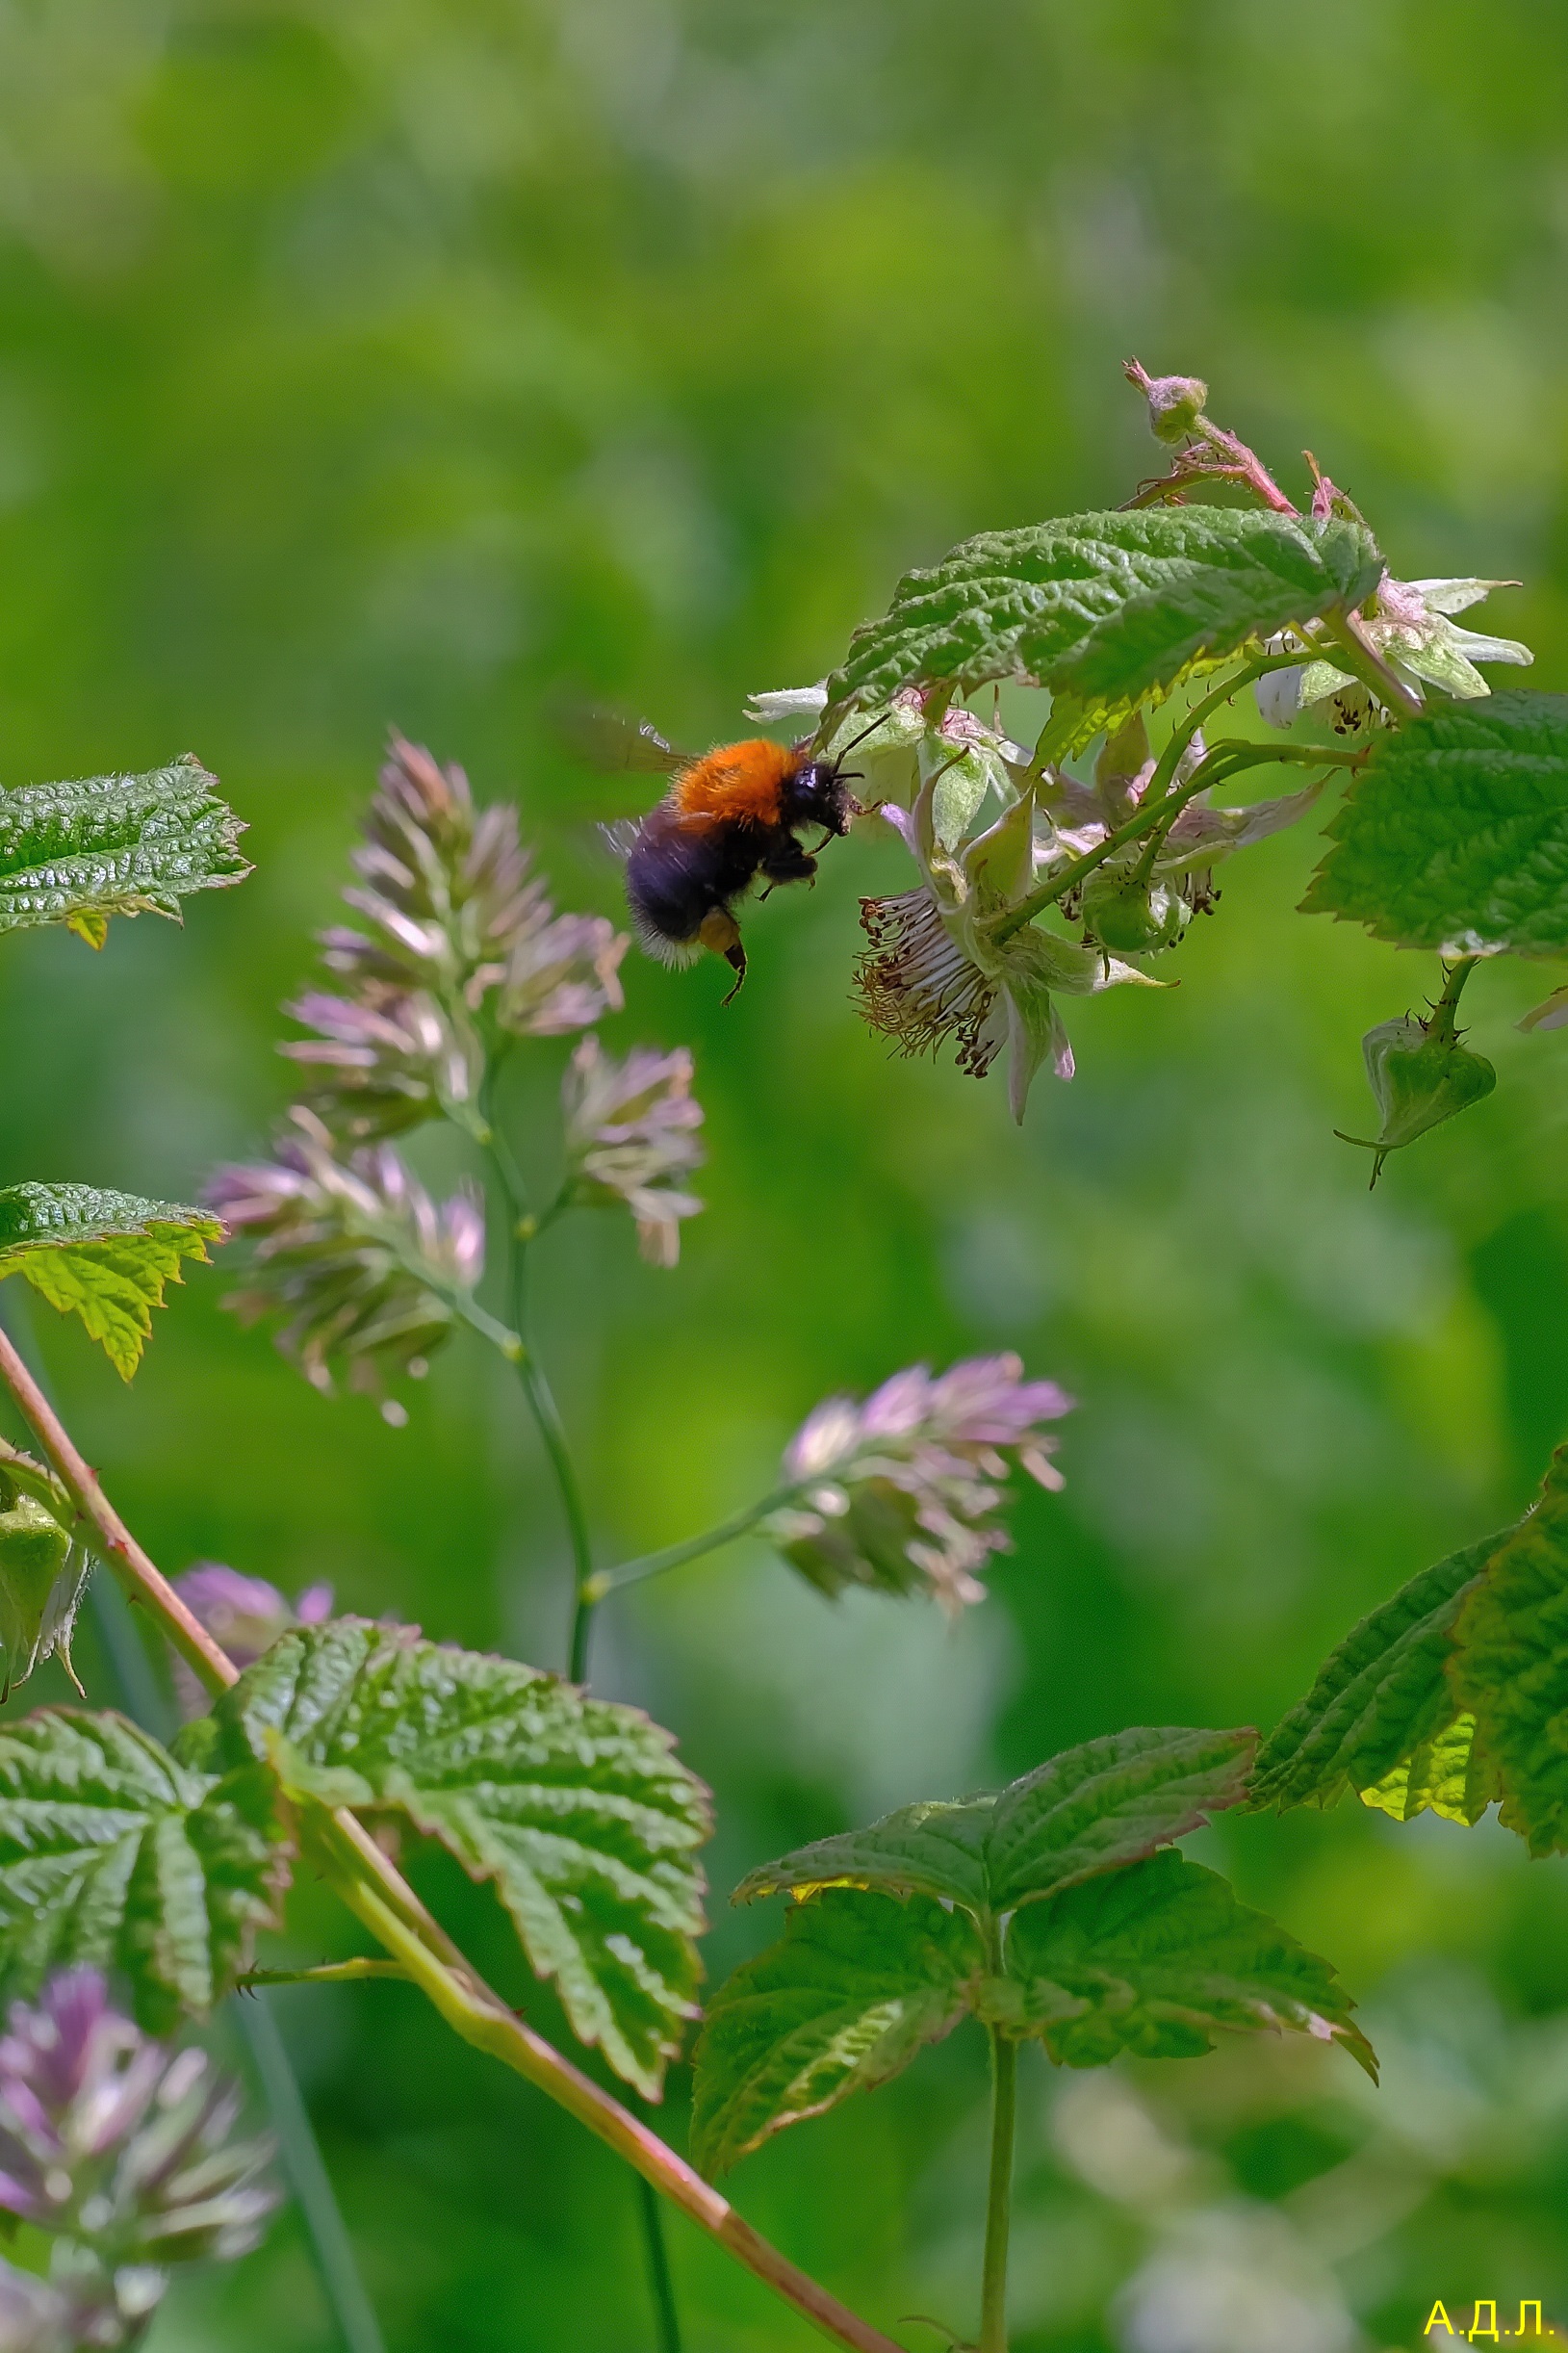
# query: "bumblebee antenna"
{"points": [[840, 758]]}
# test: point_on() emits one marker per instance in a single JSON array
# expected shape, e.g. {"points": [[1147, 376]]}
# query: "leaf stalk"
{"points": [[1004, 2077]]}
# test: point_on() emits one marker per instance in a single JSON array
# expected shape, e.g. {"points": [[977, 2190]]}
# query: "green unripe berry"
{"points": [[1128, 916]]}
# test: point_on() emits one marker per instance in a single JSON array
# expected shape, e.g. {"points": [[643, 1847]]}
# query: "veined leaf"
{"points": [[78, 853], [1456, 833], [1380, 1697], [1511, 1670], [1447, 1772], [1094, 1808], [113, 1853], [105, 1256], [1154, 1959], [576, 1808], [1109, 1802], [855, 1987], [1106, 609]]}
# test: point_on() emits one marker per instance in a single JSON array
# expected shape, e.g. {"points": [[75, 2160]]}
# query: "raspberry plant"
{"points": [[1057, 1911]]}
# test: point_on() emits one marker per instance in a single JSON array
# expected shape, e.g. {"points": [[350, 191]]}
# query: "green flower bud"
{"points": [[1175, 404], [1421, 1076], [1128, 916], [39, 1582]]}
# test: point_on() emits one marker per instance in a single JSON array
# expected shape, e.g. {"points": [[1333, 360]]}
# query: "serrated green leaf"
{"points": [[1447, 1772], [78, 853], [1109, 1802], [1456, 833], [576, 1808], [935, 1849], [114, 1853], [847, 1997], [1104, 1803], [104, 1256], [1511, 1668], [1380, 1697], [1106, 609], [1155, 1959]]}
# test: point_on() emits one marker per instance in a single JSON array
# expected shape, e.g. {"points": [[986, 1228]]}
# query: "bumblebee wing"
{"points": [[618, 745], [620, 836]]}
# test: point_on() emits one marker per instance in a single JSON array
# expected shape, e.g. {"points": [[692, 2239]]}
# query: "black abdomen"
{"points": [[678, 872]]}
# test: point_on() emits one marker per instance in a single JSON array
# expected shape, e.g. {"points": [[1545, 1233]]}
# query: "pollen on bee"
{"points": [[719, 931]]}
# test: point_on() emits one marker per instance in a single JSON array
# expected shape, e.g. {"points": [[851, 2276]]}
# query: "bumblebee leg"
{"points": [[720, 932], [788, 863], [736, 958]]}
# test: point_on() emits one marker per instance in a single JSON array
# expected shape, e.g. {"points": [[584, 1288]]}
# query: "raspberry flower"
{"points": [[370, 1269], [630, 1136], [1408, 623], [936, 971], [903, 1492], [119, 2149]]}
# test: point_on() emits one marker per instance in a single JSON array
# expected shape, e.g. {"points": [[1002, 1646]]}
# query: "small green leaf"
{"points": [[1104, 1803], [856, 1985], [78, 853], [576, 1808], [112, 1852], [1380, 1697], [106, 1257], [1155, 1959], [1456, 833], [1106, 609], [1511, 1670]]}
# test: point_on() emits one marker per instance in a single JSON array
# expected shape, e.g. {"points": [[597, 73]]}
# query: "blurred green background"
{"points": [[373, 361]]}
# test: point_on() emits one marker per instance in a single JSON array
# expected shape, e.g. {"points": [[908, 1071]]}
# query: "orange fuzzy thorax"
{"points": [[736, 779]]}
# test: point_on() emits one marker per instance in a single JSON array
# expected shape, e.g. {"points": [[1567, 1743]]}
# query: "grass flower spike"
{"points": [[444, 889], [903, 1492], [366, 1264], [119, 2149], [387, 1059], [630, 1136]]}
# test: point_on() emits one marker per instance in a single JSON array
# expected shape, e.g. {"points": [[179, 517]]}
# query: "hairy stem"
{"points": [[130, 1567], [148, 1703], [541, 1406], [1224, 759], [324, 1973], [482, 2019], [377, 1894], [1182, 733], [1004, 2079], [1455, 977], [691, 1547], [1355, 649]]}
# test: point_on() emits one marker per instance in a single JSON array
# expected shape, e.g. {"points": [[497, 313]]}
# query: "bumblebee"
{"points": [[730, 814]]}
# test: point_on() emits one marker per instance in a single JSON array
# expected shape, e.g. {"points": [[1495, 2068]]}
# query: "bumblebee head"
{"points": [[819, 794]]}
